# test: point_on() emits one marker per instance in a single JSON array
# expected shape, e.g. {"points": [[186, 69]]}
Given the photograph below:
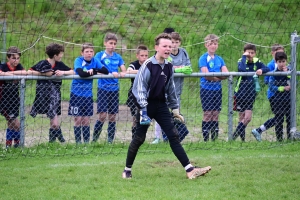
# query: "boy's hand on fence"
{"points": [[144, 119], [177, 116], [281, 89]]}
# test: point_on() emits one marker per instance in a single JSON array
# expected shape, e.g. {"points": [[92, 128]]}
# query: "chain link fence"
{"points": [[32, 107]]}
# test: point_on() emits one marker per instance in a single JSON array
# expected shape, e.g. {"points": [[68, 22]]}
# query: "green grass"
{"points": [[255, 173]]}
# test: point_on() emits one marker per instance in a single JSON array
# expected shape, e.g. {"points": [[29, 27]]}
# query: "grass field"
{"points": [[253, 173]]}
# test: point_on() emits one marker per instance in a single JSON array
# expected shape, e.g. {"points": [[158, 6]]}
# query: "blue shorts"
{"points": [[80, 106], [107, 101], [211, 100]]}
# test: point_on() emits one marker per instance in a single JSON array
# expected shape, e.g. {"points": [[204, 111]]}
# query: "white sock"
{"points": [[127, 169], [262, 127], [188, 166], [157, 130]]}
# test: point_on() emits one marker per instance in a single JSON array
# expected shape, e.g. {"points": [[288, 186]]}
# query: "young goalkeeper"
{"points": [[153, 82]]}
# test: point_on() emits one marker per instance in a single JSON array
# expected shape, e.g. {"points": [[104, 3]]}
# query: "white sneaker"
{"points": [[155, 141]]}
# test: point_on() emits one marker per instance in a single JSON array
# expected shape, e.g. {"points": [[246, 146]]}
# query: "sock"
{"points": [[86, 134], [133, 130], [97, 130], [16, 136], [205, 130], [59, 135], [9, 137], [77, 133], [243, 131], [127, 169], [111, 130], [52, 135], [238, 130], [157, 130], [189, 168], [214, 130]]}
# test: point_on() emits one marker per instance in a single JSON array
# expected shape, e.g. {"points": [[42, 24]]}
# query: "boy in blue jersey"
{"points": [[133, 68], [272, 66], [182, 64], [245, 93], [279, 97], [211, 88], [9, 95], [81, 98], [108, 89], [48, 96], [153, 83]]}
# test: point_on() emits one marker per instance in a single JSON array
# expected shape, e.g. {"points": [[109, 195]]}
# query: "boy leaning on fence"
{"points": [[272, 66], [108, 89], [181, 64], [48, 95], [245, 93], [81, 97], [9, 95], [279, 97], [211, 88], [142, 54], [152, 84]]}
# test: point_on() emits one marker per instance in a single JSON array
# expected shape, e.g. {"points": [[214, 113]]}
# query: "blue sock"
{"points": [[86, 134], [205, 130], [97, 130], [16, 135], [111, 130], [77, 133]]}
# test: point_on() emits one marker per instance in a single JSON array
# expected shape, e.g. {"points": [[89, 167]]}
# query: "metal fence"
{"points": [[35, 130]]}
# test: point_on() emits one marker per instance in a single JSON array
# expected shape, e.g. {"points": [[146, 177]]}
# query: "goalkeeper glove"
{"points": [[144, 119], [177, 116], [281, 88], [186, 70]]}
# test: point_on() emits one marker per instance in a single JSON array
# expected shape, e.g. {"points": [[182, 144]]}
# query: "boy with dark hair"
{"points": [[211, 88], [133, 68], [272, 66], [245, 93], [182, 64], [279, 97], [108, 89], [48, 96], [81, 97], [9, 95], [152, 84]]}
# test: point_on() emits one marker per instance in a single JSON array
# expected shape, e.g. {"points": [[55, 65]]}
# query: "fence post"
{"points": [[22, 112], [294, 40], [230, 107], [4, 41]]}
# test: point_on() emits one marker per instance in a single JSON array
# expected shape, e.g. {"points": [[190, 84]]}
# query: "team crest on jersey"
{"points": [[107, 61], [211, 64]]}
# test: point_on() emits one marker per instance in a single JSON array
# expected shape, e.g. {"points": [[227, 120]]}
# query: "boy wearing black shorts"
{"points": [[9, 95]]}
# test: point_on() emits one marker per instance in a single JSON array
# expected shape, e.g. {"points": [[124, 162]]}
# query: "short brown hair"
{"points": [[211, 37], [249, 47], [276, 47], [110, 36], [175, 36], [54, 49], [86, 45], [162, 36], [13, 50], [141, 48]]}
